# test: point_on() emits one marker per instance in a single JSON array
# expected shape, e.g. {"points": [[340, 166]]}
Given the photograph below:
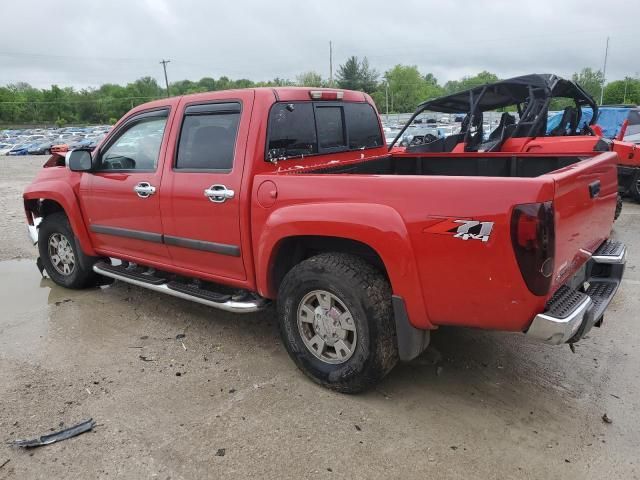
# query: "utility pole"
{"points": [[166, 81], [386, 98], [604, 71], [626, 82], [330, 63]]}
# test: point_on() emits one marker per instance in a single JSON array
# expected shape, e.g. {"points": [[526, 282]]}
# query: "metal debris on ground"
{"points": [[146, 359], [5, 462], [57, 436], [221, 452], [606, 419]]}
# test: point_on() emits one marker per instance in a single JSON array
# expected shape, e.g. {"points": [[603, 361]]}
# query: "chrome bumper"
{"points": [[572, 312]]}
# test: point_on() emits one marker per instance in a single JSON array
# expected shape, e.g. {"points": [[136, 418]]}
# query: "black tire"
{"points": [[82, 274], [367, 295], [618, 208], [634, 188]]}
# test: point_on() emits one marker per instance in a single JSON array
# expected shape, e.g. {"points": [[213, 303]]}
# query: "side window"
{"points": [[208, 137], [330, 126], [292, 130], [364, 129], [137, 148]]}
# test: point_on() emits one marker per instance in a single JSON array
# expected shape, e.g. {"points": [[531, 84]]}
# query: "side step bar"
{"points": [[251, 304]]}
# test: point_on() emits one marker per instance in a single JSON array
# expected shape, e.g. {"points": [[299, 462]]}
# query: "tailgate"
{"points": [[584, 205]]}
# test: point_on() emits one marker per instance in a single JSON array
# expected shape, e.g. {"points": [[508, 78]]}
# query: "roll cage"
{"points": [[531, 95]]}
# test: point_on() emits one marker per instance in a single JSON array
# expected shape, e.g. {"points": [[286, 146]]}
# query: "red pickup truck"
{"points": [[238, 198]]}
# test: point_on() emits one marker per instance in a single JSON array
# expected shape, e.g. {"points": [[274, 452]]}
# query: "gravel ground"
{"points": [[224, 401]]}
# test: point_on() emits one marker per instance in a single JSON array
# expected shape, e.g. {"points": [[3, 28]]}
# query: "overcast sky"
{"points": [[89, 42]]}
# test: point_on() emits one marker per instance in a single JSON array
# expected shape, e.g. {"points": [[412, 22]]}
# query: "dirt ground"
{"points": [[225, 401]]}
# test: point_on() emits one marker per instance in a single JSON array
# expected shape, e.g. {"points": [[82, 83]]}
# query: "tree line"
{"points": [[399, 89]]}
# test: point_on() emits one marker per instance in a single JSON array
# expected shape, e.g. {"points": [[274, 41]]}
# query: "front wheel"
{"points": [[63, 259], [336, 321]]}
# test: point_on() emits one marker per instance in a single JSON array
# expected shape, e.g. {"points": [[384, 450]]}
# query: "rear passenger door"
{"points": [[202, 187]]}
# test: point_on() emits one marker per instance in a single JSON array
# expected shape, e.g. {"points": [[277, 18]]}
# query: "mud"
{"points": [[171, 384]]}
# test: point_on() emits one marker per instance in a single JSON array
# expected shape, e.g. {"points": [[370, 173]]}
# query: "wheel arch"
{"points": [[52, 197], [375, 232]]}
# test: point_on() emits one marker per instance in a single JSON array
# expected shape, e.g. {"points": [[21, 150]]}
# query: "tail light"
{"points": [[326, 94], [533, 239]]}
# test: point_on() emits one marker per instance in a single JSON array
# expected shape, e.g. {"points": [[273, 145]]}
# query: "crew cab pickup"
{"points": [[235, 199]]}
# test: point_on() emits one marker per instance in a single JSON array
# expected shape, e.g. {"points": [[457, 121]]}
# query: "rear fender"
{"points": [[378, 226], [62, 193]]}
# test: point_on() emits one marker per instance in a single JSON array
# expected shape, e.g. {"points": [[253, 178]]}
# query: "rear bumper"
{"points": [[580, 304]]}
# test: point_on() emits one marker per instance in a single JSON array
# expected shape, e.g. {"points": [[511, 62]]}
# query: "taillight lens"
{"points": [[533, 239]]}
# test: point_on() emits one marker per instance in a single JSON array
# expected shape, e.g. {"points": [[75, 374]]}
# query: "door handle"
{"points": [[218, 193], [144, 189]]}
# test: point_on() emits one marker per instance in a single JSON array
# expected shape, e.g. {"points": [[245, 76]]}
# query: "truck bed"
{"points": [[500, 165]]}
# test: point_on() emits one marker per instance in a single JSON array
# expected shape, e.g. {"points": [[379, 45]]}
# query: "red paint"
{"points": [[407, 220]]}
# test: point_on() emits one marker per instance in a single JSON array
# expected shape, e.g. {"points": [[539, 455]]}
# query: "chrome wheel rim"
{"points": [[61, 254], [327, 327]]}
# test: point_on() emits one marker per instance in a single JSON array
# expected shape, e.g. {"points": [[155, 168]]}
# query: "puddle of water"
{"points": [[24, 307], [26, 303]]}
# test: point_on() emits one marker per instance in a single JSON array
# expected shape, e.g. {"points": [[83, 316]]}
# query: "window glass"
{"points": [[291, 130], [137, 148], [330, 127], [364, 129], [208, 141]]}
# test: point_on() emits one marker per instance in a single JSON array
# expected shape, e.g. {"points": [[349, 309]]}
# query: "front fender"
{"points": [[62, 193], [378, 226]]}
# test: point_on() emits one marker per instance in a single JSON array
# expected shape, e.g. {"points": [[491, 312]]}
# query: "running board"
{"points": [[253, 303]]}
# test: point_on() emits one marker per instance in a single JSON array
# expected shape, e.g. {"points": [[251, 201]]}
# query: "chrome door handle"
{"points": [[218, 193], [144, 189]]}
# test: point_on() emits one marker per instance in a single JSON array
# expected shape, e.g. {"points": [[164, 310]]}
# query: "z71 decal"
{"points": [[473, 230], [463, 229]]}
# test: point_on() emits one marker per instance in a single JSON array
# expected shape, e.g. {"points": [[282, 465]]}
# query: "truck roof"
{"points": [[277, 94]]}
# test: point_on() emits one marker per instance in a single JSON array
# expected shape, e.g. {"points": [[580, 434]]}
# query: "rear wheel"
{"points": [[336, 321], [634, 188], [61, 255], [618, 207]]}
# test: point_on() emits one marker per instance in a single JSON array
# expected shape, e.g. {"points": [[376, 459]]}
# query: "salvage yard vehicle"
{"points": [[530, 96], [238, 198]]}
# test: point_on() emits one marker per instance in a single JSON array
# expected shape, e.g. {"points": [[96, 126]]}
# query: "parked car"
{"points": [[366, 251], [5, 148], [19, 149], [40, 148]]}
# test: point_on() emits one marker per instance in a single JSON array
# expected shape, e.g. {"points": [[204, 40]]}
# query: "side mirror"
{"points": [[80, 160]]}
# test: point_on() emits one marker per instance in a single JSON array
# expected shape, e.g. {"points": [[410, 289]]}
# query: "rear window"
{"points": [[292, 130], [330, 127], [306, 128]]}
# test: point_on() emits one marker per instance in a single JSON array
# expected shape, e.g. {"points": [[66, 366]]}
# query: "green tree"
{"points": [[357, 75], [407, 88], [590, 80], [622, 91], [309, 79], [465, 83]]}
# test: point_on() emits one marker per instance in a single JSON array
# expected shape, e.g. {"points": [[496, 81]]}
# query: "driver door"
{"points": [[120, 198]]}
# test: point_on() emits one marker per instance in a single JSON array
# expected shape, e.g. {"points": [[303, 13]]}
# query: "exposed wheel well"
{"points": [[293, 250], [42, 208]]}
